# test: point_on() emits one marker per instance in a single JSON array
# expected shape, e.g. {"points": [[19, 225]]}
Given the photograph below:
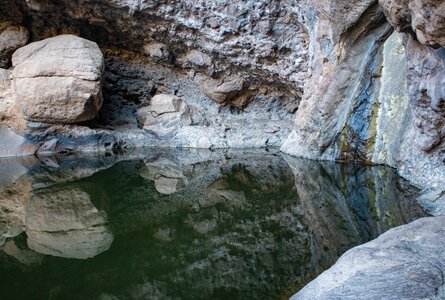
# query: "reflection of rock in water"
{"points": [[13, 201], [218, 225], [238, 221], [15, 190], [169, 176], [346, 205], [63, 222]]}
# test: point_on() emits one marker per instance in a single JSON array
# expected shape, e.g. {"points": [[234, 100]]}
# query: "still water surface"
{"points": [[186, 224]]}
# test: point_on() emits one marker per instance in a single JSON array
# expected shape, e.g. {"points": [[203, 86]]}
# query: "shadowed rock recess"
{"points": [[332, 80]]}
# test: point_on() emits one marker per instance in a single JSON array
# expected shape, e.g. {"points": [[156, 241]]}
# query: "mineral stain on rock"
{"points": [[351, 81]]}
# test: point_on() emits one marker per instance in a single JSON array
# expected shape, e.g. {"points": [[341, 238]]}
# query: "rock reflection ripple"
{"points": [[204, 224]]}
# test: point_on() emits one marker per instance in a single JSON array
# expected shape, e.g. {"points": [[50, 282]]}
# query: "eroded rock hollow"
{"points": [[320, 79]]}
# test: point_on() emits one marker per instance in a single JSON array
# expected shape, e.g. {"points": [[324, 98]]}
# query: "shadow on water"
{"points": [[174, 224]]}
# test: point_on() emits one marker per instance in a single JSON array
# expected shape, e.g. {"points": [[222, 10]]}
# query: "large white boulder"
{"points": [[58, 80]]}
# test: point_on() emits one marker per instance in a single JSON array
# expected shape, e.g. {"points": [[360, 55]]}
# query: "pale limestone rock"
{"points": [[11, 115], [166, 115], [223, 90], [58, 80], [12, 37], [198, 59], [392, 118], [157, 50], [164, 103]]}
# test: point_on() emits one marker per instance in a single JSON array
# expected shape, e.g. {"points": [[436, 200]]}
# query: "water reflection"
{"points": [[187, 224], [63, 222]]}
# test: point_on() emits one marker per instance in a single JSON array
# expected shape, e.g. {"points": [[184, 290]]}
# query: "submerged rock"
{"points": [[58, 80]]}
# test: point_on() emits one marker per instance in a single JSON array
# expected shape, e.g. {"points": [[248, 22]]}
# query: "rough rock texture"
{"points": [[374, 93], [424, 19], [11, 115], [12, 37], [249, 58], [423, 160], [166, 115], [342, 56], [245, 66], [58, 80], [404, 263]]}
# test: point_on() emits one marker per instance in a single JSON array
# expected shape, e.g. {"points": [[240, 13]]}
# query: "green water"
{"points": [[186, 224]]}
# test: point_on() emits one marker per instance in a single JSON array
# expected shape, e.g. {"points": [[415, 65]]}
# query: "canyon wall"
{"points": [[331, 80]]}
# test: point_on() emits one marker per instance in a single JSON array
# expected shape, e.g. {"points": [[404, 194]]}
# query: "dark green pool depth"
{"points": [[186, 224]]}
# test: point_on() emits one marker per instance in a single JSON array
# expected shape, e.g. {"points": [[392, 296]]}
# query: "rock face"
{"points": [[228, 75], [404, 263], [58, 80], [372, 107], [341, 61], [424, 19], [11, 115], [12, 37], [243, 71]]}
